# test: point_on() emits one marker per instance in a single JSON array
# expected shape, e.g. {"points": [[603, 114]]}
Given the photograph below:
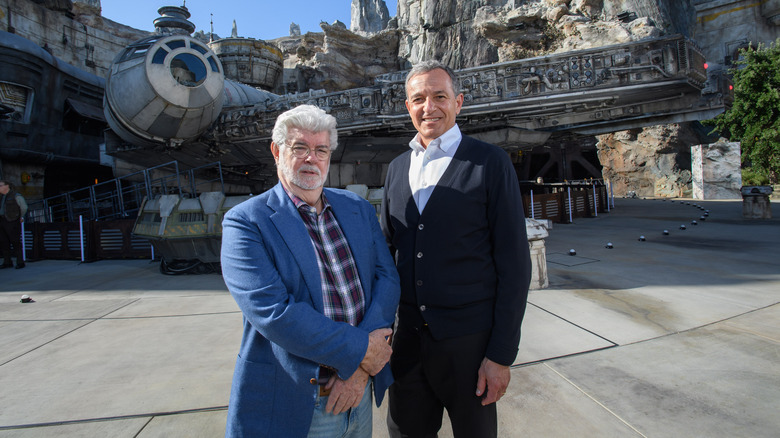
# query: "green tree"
{"points": [[754, 117]]}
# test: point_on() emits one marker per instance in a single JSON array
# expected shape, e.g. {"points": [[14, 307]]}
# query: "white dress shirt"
{"points": [[427, 165]]}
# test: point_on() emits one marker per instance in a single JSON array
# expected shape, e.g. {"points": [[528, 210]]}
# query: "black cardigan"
{"points": [[464, 263]]}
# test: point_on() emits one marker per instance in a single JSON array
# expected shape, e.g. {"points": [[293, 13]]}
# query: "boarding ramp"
{"points": [[99, 221]]}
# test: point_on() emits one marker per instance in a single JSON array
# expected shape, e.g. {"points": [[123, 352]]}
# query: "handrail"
{"points": [[121, 197]]}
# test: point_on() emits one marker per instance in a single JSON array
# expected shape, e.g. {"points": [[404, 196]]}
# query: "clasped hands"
{"points": [[347, 394]]}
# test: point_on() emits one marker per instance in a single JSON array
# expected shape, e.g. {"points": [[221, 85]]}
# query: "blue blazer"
{"points": [[270, 267]]}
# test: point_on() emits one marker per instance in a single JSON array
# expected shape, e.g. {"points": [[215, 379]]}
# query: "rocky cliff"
{"points": [[467, 33], [369, 16], [337, 59], [500, 30], [462, 33], [653, 161]]}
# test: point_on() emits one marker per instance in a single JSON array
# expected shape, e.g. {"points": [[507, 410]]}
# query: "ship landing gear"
{"points": [[195, 266]]}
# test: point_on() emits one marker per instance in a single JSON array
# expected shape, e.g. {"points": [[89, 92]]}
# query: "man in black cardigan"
{"points": [[453, 217]]}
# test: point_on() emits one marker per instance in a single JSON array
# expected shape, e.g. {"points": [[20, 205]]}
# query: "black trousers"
{"points": [[11, 239], [431, 376]]}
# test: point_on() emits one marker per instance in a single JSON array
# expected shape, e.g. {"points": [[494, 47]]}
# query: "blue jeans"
{"points": [[354, 423]]}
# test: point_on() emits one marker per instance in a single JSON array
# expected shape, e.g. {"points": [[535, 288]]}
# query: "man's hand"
{"points": [[378, 351], [495, 377], [346, 394]]}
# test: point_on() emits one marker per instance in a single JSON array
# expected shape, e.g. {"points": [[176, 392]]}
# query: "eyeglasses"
{"points": [[321, 152]]}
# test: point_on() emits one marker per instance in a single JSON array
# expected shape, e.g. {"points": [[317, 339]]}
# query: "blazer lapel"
{"points": [[290, 226]]}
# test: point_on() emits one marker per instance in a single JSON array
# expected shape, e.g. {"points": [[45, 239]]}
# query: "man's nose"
{"points": [[312, 157], [429, 105]]}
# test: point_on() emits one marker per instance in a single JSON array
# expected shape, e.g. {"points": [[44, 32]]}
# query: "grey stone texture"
{"points": [[716, 169], [369, 16], [72, 31]]}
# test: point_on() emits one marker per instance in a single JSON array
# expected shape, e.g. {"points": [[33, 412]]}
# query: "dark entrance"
{"points": [[561, 159]]}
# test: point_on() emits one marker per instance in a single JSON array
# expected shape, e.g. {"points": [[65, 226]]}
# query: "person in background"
{"points": [[13, 207], [452, 215], [311, 272]]}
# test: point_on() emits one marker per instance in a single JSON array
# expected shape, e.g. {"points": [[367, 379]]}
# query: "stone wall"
{"points": [[73, 32], [652, 162], [432, 29], [500, 30], [369, 16], [673, 16], [716, 170], [337, 59]]}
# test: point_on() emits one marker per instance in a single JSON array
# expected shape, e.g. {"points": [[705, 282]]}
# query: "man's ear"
{"points": [[275, 151]]}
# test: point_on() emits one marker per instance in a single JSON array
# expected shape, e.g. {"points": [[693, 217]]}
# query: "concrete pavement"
{"points": [[676, 335]]}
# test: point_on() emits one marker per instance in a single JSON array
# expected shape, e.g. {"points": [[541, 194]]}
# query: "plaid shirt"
{"points": [[342, 292]]}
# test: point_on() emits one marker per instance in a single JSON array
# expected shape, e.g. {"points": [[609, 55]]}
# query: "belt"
{"points": [[324, 376]]}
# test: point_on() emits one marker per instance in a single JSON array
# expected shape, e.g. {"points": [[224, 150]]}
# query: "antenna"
{"points": [[211, 35]]}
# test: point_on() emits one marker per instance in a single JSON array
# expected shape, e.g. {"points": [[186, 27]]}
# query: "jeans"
{"points": [[354, 423]]}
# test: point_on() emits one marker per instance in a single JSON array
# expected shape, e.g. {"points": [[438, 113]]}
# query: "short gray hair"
{"points": [[426, 66], [308, 118]]}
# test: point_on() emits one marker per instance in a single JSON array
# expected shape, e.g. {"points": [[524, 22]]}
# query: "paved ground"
{"points": [[674, 336]]}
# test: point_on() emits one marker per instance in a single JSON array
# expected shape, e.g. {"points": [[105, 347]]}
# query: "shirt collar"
{"points": [[447, 140], [300, 203]]}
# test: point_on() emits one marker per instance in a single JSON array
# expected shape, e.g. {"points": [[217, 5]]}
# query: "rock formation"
{"points": [[295, 30], [716, 170], [462, 33], [652, 162], [73, 31], [502, 30], [483, 33], [337, 59], [369, 16]]}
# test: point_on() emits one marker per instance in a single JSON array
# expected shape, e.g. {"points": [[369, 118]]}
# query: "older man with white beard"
{"points": [[314, 279]]}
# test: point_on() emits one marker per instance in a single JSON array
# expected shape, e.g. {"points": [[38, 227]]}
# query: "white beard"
{"points": [[305, 182]]}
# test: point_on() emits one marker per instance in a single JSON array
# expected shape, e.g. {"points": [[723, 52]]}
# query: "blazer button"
{"points": [[313, 381], [422, 308], [419, 255], [419, 282], [420, 227]]}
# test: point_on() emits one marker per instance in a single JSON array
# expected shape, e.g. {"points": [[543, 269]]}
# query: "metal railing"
{"points": [[121, 198], [562, 202], [96, 222]]}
